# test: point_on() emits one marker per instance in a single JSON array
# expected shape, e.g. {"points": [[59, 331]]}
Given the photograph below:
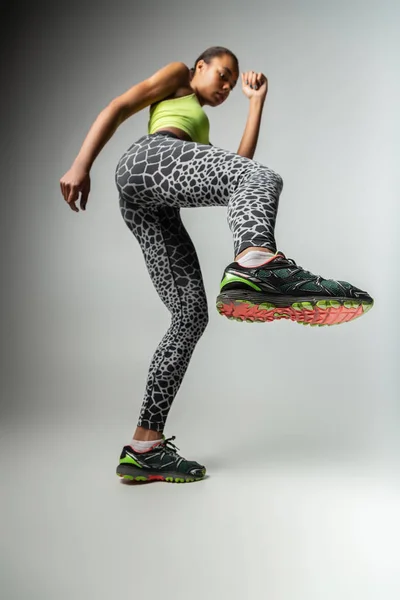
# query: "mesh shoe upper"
{"points": [[163, 457], [282, 275]]}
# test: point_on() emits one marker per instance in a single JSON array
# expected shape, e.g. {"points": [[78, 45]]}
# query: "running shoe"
{"points": [[160, 463], [280, 289]]}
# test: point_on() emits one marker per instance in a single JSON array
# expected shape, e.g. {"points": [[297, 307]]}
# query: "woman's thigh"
{"points": [[164, 171], [172, 262]]}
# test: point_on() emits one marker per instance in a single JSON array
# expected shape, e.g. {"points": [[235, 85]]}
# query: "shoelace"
{"points": [[299, 268], [169, 446]]}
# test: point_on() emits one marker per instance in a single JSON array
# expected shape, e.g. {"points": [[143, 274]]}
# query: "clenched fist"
{"points": [[254, 85]]}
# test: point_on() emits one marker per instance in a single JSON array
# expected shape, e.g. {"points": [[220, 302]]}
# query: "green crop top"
{"points": [[184, 113]]}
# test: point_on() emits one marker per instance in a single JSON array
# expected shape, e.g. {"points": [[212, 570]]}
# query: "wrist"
{"points": [[257, 101], [82, 164]]}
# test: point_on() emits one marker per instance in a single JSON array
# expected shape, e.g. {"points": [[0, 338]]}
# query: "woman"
{"points": [[175, 166]]}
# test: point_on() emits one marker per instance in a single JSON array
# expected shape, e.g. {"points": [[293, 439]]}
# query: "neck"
{"points": [[196, 91]]}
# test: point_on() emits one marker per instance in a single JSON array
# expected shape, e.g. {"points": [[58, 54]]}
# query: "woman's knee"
{"points": [[203, 320], [192, 324], [198, 321], [271, 175]]}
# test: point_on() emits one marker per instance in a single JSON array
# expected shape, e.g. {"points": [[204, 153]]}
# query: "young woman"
{"points": [[175, 166]]}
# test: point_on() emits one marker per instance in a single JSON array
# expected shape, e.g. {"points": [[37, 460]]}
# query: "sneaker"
{"points": [[280, 289], [161, 463]]}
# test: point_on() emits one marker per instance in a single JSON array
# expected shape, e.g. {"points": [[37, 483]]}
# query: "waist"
{"points": [[167, 133]]}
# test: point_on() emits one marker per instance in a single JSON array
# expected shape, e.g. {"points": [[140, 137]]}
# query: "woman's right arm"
{"points": [[160, 85]]}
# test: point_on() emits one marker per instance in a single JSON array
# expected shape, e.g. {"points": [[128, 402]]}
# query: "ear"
{"points": [[200, 65]]}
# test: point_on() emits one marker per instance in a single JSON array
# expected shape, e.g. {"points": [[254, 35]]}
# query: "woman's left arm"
{"points": [[255, 87]]}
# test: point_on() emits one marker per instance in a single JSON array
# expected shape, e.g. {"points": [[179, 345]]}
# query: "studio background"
{"points": [[298, 426]]}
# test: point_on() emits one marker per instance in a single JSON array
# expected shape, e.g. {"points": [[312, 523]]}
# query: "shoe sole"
{"points": [[134, 474], [246, 306]]}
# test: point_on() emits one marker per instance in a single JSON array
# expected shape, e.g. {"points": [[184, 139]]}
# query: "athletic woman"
{"points": [[175, 166]]}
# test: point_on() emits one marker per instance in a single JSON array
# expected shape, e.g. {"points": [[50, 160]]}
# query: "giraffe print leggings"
{"points": [[158, 175]]}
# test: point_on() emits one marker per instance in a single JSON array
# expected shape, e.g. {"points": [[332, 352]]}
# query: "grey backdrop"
{"points": [[298, 426]]}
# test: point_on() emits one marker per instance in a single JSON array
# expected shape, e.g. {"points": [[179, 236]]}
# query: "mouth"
{"points": [[221, 97]]}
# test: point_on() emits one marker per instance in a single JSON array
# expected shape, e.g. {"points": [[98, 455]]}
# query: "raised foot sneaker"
{"points": [[280, 289], [161, 463]]}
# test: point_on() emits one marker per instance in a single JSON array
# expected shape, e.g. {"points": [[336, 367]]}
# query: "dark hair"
{"points": [[210, 53]]}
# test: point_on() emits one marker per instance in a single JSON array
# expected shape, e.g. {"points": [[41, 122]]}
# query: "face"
{"points": [[215, 81]]}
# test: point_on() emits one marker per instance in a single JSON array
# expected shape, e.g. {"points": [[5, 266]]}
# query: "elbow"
{"points": [[117, 111], [131, 102]]}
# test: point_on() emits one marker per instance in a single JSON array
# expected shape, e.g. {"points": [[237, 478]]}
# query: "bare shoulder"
{"points": [[179, 75], [167, 82], [178, 70]]}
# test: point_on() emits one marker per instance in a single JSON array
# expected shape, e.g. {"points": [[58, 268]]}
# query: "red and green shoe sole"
{"points": [[143, 476], [312, 311]]}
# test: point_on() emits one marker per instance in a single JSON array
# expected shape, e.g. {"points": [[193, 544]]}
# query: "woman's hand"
{"points": [[75, 181], [254, 85]]}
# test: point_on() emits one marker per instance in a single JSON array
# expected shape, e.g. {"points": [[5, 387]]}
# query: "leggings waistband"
{"points": [[166, 134]]}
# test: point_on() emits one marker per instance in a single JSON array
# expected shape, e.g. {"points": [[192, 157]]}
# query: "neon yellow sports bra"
{"points": [[184, 113]]}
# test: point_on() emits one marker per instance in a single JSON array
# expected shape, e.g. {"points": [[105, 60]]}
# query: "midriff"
{"points": [[179, 132]]}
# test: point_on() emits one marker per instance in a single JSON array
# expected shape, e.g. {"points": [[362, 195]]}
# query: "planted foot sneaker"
{"points": [[161, 463], [280, 289]]}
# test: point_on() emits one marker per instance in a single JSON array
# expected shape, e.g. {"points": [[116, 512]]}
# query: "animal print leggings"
{"points": [[158, 175]]}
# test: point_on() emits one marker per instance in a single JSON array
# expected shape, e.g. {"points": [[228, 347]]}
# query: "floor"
{"points": [[266, 522]]}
